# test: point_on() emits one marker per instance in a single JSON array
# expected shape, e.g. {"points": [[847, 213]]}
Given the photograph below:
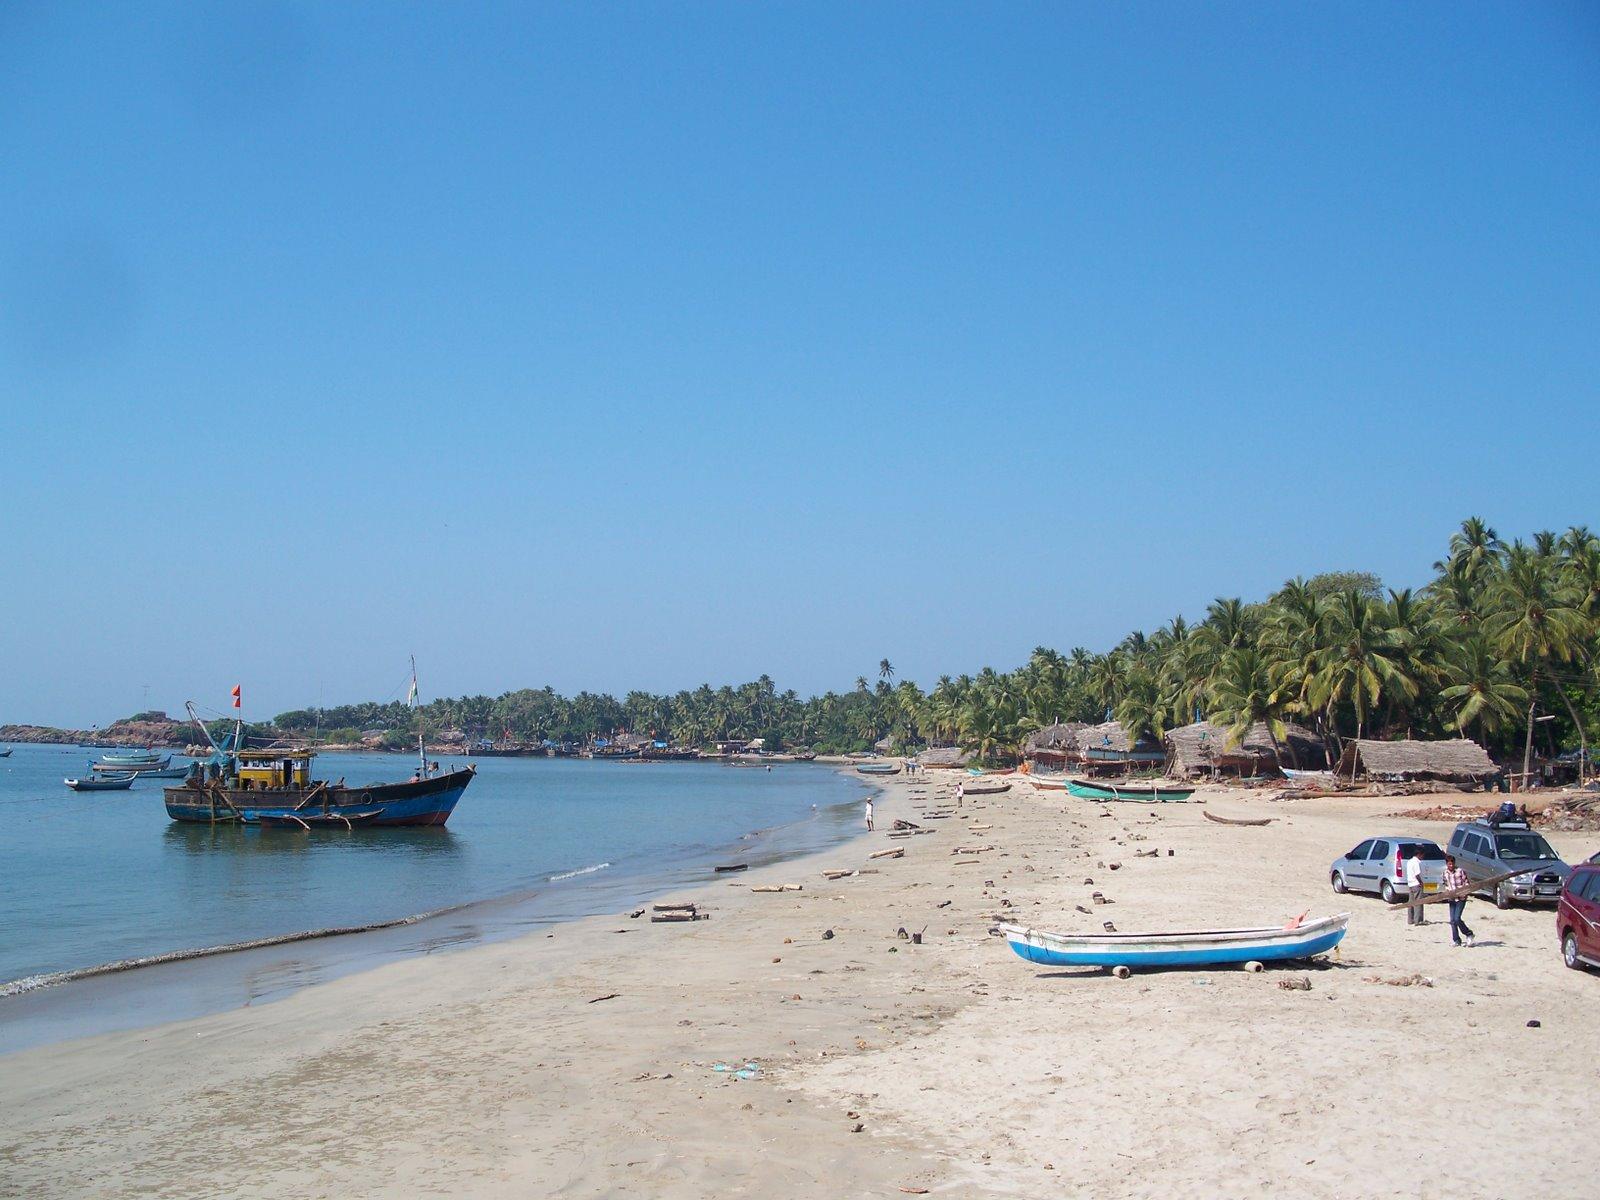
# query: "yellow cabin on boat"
{"points": [[275, 768]]}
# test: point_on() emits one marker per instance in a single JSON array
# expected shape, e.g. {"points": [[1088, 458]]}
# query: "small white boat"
{"points": [[1204, 947]]}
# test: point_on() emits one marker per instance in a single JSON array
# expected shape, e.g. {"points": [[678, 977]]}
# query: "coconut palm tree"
{"points": [[1483, 691], [1244, 691], [885, 670], [1535, 621], [1362, 661]]}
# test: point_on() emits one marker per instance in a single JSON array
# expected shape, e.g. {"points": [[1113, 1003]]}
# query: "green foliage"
{"points": [[1501, 628], [1332, 582]]}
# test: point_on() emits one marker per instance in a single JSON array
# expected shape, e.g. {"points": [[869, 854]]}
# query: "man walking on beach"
{"points": [[1414, 914], [1455, 883], [869, 814]]}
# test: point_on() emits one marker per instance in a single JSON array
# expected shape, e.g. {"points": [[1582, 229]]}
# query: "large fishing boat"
{"points": [[273, 788]]}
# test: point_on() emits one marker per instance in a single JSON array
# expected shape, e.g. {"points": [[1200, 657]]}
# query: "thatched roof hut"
{"points": [[1107, 744], [1207, 749], [944, 756], [1056, 737], [1457, 760]]}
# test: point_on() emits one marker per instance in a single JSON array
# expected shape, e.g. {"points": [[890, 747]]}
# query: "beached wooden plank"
{"points": [[777, 887], [897, 852], [689, 907], [837, 874]]}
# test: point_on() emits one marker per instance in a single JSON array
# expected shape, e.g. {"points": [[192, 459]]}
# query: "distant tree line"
{"points": [[1501, 645]]}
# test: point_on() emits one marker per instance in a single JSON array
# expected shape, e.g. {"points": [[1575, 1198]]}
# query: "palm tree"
{"points": [[1474, 549], [1535, 622], [1244, 692], [1362, 661], [1484, 691], [885, 670]]}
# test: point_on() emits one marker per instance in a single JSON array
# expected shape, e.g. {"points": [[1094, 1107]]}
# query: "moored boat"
{"points": [[160, 768], [273, 787], [257, 784], [1145, 793], [135, 757], [102, 783], [1204, 947], [879, 769]]}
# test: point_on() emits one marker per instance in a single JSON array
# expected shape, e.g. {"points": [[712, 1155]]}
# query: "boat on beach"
{"points": [[1204, 947], [986, 789], [879, 769], [101, 783], [1143, 793]]}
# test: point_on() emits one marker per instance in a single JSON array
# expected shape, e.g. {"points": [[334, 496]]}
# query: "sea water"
{"points": [[95, 877]]}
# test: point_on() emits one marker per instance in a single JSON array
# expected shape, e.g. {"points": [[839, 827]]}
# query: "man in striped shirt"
{"points": [[1455, 884]]}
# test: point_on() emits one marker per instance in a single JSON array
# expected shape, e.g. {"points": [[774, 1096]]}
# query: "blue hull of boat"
{"points": [[424, 802], [1206, 956]]}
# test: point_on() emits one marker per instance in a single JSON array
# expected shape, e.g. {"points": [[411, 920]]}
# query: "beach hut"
{"points": [[1458, 761], [946, 757], [1204, 749], [1103, 749], [1052, 746]]}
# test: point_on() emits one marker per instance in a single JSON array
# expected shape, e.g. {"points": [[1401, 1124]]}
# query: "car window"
{"points": [[1458, 839], [1380, 850], [1479, 845], [1524, 845], [1587, 886], [1430, 852], [1361, 850]]}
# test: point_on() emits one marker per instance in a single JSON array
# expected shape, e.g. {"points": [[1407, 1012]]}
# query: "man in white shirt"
{"points": [[1414, 887], [869, 813]]}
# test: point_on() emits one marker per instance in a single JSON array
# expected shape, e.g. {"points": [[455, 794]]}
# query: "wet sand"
{"points": [[881, 1066]]}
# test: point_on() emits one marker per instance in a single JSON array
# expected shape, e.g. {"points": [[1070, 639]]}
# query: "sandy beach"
{"points": [[585, 1062]]}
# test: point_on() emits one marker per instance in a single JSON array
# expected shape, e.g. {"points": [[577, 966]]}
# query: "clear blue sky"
{"points": [[646, 345]]}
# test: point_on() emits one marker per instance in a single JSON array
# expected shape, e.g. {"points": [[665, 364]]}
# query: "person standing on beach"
{"points": [[1455, 884], [961, 790], [1414, 914], [869, 814]]}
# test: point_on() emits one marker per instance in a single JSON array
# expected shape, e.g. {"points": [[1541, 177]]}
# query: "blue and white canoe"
{"points": [[1206, 947]]}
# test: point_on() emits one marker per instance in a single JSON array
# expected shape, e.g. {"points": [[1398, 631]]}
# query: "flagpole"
{"points": [[416, 708]]}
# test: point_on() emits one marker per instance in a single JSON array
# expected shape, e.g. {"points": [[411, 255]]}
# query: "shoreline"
{"points": [[583, 1062], [229, 979]]}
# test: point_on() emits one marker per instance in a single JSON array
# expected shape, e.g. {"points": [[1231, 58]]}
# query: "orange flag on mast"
{"points": [[236, 702]]}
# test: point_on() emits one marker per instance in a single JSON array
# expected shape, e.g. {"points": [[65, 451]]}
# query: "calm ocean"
{"points": [[96, 877]]}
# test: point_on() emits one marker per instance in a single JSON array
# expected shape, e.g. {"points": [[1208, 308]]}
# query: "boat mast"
{"points": [[416, 707]]}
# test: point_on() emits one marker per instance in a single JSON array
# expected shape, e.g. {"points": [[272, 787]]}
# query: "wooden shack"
{"points": [[1207, 750], [1458, 761]]}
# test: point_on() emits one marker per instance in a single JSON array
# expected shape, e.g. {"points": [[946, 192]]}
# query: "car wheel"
{"points": [[1390, 896], [1339, 884], [1569, 950], [1502, 898]]}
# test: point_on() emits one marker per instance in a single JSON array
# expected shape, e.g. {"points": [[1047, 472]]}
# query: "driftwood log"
{"points": [[1210, 816]]}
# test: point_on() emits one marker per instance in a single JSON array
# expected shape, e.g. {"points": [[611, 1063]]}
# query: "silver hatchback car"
{"points": [[1379, 865]]}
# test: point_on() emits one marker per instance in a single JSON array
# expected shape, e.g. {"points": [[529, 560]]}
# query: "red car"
{"points": [[1578, 916]]}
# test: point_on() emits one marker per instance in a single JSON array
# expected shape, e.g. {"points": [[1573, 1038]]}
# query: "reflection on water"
{"points": [[429, 842]]}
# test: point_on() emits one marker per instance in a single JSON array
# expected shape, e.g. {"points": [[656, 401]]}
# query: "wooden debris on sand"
{"points": [[837, 874], [1211, 816], [677, 912], [778, 887], [897, 852]]}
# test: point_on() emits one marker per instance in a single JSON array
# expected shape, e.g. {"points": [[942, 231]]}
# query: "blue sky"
{"points": [[646, 345]]}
